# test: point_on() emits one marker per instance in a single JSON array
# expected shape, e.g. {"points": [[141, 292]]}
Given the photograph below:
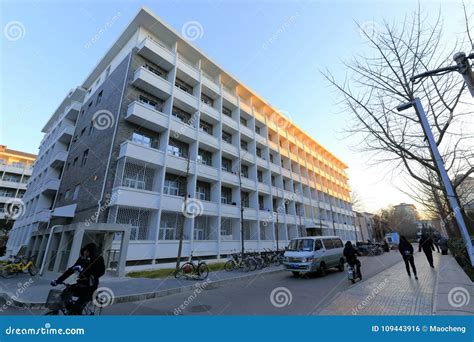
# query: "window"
{"points": [[226, 164], [99, 97], [181, 115], [66, 194], [169, 225], [85, 154], [261, 203], [244, 171], [75, 161], [205, 157], [328, 244], [318, 245], [76, 192], [107, 72], [271, 158], [186, 87], [257, 129], [260, 176], [243, 145], [177, 148], [144, 140], [243, 121], [174, 185], [135, 180], [273, 180], [83, 131], [201, 228], [337, 243], [226, 195], [203, 191], [258, 150], [205, 127], [146, 101], [207, 100], [89, 105], [227, 137], [245, 199], [91, 127], [226, 229], [226, 111], [156, 70]]}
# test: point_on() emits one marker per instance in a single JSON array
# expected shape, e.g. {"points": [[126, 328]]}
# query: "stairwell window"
{"points": [[85, 154], [99, 97]]}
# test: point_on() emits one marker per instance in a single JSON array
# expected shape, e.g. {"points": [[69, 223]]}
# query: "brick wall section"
{"points": [[91, 175]]}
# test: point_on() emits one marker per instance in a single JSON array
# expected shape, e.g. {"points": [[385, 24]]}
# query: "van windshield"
{"points": [[301, 245]]}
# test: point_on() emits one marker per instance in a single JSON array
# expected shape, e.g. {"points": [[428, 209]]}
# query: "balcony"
{"points": [[140, 152], [42, 216], [157, 53], [230, 178], [230, 148], [12, 184], [260, 139], [262, 162], [264, 188], [189, 69], [294, 157], [248, 183], [247, 156], [229, 122], [274, 168], [229, 210], [208, 139], [211, 111], [209, 208], [179, 128], [152, 83], [172, 203], [145, 116], [65, 134], [208, 171], [72, 111], [250, 214], [229, 97], [245, 107], [59, 159], [272, 145], [180, 164], [211, 84], [285, 172], [130, 197], [186, 98], [246, 131], [50, 186]]}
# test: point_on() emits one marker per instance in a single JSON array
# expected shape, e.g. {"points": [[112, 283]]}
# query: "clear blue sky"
{"points": [[275, 47]]}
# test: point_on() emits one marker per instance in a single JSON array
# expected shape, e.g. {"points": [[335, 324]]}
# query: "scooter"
{"points": [[352, 273]]}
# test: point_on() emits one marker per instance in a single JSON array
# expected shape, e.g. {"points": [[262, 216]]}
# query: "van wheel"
{"points": [[322, 269], [296, 274], [340, 267]]}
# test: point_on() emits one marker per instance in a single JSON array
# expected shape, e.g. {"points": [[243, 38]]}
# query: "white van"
{"points": [[314, 254]]}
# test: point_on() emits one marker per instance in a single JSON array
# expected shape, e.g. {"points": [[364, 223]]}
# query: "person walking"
{"points": [[435, 238], [406, 250], [426, 243]]}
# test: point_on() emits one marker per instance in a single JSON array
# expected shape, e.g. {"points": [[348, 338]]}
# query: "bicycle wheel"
{"points": [[229, 266], [33, 270], [7, 272], [90, 309], [188, 269], [203, 271]]}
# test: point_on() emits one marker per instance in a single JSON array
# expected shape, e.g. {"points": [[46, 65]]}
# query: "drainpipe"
{"points": [[43, 262]]}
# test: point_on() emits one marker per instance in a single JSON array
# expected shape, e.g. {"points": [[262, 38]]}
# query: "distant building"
{"points": [[15, 171], [365, 223]]}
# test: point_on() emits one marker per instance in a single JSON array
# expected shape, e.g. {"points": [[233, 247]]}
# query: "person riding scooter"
{"points": [[350, 253]]}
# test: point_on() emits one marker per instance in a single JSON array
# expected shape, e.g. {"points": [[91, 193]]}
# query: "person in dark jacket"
{"points": [[350, 253], [90, 266], [406, 250], [426, 243]]}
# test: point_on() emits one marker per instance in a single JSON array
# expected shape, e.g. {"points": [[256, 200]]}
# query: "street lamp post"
{"points": [[451, 195], [185, 208], [242, 236], [277, 233]]}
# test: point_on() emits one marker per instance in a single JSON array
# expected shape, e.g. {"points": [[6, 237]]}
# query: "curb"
{"points": [[10, 301]]}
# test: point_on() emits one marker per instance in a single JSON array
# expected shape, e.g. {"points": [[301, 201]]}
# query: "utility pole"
{"points": [[332, 216], [277, 233], [185, 208]]}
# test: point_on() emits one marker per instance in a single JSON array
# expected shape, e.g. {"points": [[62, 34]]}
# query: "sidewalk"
{"points": [[392, 292], [31, 292]]}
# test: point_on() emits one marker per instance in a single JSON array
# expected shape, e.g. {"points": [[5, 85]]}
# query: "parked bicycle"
{"points": [[18, 266], [237, 262], [197, 270], [60, 302]]}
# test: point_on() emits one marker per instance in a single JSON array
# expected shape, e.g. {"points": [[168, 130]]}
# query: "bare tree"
{"points": [[378, 82]]}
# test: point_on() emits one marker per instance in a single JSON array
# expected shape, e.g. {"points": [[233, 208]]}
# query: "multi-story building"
{"points": [[365, 222], [15, 171], [155, 122]]}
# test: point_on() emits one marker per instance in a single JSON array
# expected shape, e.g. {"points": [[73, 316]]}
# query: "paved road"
{"points": [[252, 297]]}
